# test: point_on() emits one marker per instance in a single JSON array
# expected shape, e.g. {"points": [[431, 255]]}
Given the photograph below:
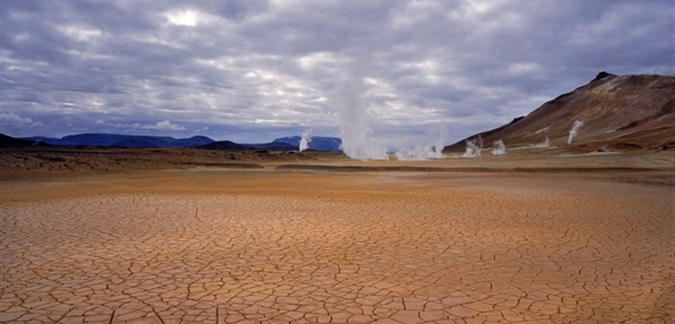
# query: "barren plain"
{"points": [[566, 238]]}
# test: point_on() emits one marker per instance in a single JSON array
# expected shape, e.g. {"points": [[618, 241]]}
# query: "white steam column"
{"points": [[473, 147], [419, 153], [304, 141], [498, 148], [357, 136], [573, 131]]}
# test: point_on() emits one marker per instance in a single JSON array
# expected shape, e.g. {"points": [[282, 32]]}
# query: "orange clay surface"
{"points": [[207, 245]]}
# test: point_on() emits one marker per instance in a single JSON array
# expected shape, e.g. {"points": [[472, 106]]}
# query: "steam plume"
{"points": [[440, 142], [357, 136], [304, 141], [498, 148], [419, 152], [573, 131], [473, 147], [543, 144]]}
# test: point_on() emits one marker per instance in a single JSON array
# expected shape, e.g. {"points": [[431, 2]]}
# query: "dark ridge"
{"points": [[224, 145], [140, 142], [8, 141], [602, 75], [272, 146], [515, 120]]}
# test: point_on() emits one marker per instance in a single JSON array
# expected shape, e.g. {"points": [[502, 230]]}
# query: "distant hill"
{"points": [[193, 141], [41, 140], [290, 143], [228, 145], [317, 143], [117, 140], [272, 146], [223, 145], [629, 111], [8, 141]]}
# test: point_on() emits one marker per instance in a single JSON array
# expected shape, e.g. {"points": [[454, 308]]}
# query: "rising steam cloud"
{"points": [[544, 144], [573, 131], [304, 141], [420, 152], [357, 137], [473, 147], [498, 148]]}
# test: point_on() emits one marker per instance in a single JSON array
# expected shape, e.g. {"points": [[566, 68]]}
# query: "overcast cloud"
{"points": [[253, 70]]}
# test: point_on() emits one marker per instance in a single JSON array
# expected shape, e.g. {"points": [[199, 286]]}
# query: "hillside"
{"points": [[617, 112]]}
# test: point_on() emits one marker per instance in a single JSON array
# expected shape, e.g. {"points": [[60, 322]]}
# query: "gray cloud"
{"points": [[254, 70]]}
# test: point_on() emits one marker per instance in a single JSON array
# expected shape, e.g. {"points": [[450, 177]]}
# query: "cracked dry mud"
{"points": [[283, 247]]}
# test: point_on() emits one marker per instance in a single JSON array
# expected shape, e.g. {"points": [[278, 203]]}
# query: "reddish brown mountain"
{"points": [[618, 112]]}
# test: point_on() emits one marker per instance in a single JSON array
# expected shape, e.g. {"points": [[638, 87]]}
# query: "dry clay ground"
{"points": [[336, 244]]}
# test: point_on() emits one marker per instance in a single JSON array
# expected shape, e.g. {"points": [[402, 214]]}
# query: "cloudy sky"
{"points": [[253, 70]]}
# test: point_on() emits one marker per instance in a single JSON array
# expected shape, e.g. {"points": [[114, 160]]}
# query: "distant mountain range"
{"points": [[291, 143], [318, 143], [117, 140], [614, 112]]}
